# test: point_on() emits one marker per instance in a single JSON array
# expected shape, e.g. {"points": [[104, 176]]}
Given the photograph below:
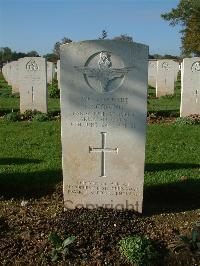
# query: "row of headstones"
{"points": [[162, 75], [29, 77], [103, 120]]}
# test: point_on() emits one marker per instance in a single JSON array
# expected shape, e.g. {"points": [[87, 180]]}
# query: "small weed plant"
{"points": [[61, 247], [185, 121], [29, 114], [12, 117], [53, 91], [192, 241], [169, 96], [189, 242], [40, 117], [138, 250]]}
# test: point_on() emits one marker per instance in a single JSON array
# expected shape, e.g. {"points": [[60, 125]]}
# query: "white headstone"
{"points": [[33, 84], [152, 70], [8, 73], [190, 86], [14, 77], [49, 72], [165, 77], [176, 70], [58, 73], [4, 71], [103, 117]]}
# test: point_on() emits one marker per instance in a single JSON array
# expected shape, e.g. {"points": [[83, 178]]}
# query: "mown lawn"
{"points": [[30, 155], [9, 102], [172, 170], [166, 106], [30, 162]]}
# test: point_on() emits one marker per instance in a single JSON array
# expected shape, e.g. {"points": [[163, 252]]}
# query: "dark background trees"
{"points": [[7, 55], [187, 15]]}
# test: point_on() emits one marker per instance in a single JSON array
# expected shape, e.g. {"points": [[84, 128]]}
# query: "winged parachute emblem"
{"points": [[104, 73]]}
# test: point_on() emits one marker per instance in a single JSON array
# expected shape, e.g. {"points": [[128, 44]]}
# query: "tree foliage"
{"points": [[51, 57], [7, 55], [187, 14], [56, 49], [104, 35], [123, 37]]}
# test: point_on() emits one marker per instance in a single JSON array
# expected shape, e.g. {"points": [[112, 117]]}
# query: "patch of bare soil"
{"points": [[24, 232], [153, 118]]}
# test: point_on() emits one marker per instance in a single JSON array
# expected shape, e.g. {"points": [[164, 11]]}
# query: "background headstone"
{"points": [[58, 73], [33, 84], [103, 118], [152, 70], [50, 72], [165, 77], [176, 70], [14, 77], [190, 86]]}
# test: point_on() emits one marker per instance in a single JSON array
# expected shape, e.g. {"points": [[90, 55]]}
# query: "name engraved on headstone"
{"points": [[103, 112]]}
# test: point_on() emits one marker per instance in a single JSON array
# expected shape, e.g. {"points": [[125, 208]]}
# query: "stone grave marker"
{"points": [[103, 118], [152, 70], [50, 72], [165, 77], [15, 77], [190, 86], [8, 73], [176, 70], [58, 73], [33, 84]]}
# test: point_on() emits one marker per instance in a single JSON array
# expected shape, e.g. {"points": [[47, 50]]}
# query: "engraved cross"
{"points": [[103, 151], [32, 95], [196, 93]]}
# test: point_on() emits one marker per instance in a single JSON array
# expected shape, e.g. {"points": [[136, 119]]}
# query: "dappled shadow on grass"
{"points": [[9, 161], [29, 185], [173, 197], [154, 167]]}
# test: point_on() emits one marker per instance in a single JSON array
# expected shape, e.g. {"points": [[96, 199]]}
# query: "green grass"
{"points": [[30, 162], [30, 157], [172, 176], [166, 105], [8, 102]]}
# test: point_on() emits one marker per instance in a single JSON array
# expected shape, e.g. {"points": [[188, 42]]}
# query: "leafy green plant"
{"points": [[29, 114], [187, 242], [184, 121], [61, 247], [41, 117], [5, 90], [192, 241], [53, 91], [12, 117], [138, 249], [170, 96]]}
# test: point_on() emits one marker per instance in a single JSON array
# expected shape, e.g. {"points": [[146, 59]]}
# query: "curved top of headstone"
{"points": [[103, 41]]}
